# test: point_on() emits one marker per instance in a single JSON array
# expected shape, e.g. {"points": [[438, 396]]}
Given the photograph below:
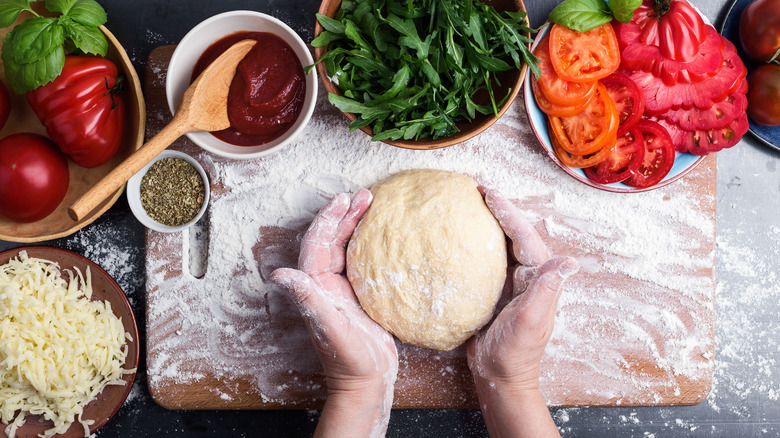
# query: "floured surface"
{"points": [[635, 327]]}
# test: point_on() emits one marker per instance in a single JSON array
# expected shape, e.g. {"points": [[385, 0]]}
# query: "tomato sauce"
{"points": [[267, 92]]}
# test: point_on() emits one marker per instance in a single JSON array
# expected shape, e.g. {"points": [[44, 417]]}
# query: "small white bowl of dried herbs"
{"points": [[170, 193]]}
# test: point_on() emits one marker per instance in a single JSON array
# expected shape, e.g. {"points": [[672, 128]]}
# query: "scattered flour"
{"points": [[634, 328]]}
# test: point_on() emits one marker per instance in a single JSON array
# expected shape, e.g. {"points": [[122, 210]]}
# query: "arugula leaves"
{"points": [[411, 68], [584, 15], [34, 51]]}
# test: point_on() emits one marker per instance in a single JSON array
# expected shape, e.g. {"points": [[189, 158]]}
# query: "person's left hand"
{"points": [[358, 356]]}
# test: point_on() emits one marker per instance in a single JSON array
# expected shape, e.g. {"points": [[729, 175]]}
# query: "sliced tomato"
{"points": [[660, 97], [702, 142], [648, 57], [628, 99], [553, 109], [622, 162], [584, 56], [590, 130], [719, 115], [659, 155], [555, 89], [582, 161]]}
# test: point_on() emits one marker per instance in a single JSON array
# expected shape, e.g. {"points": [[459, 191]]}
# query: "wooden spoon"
{"points": [[202, 108]]}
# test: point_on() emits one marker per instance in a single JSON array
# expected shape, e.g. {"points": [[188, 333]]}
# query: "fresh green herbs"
{"points": [[172, 191], [34, 51], [584, 15], [412, 68]]}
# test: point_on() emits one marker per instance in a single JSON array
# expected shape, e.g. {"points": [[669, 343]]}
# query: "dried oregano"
{"points": [[172, 191]]}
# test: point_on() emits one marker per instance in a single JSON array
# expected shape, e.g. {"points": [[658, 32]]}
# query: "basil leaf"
{"points": [[26, 77], [35, 38], [623, 10], [10, 9], [581, 15], [88, 13], [85, 38], [61, 6]]}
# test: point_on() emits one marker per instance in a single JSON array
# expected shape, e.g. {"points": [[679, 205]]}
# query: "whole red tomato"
{"points": [[33, 177], [759, 30], [764, 94], [82, 111], [5, 105]]}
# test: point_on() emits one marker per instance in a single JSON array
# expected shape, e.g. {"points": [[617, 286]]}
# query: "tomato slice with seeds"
{"points": [[590, 130], [584, 56], [553, 109], [628, 99], [582, 161], [704, 141], [624, 160], [719, 115], [659, 155], [555, 89]]}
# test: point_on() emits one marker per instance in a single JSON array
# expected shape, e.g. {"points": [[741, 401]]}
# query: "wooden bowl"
{"points": [[509, 79], [104, 288], [22, 119]]}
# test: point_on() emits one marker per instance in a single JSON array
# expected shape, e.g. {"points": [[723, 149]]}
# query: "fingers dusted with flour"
{"points": [[323, 245], [528, 248], [505, 358], [358, 356]]}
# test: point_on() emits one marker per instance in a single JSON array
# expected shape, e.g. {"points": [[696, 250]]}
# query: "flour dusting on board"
{"points": [[635, 326]]}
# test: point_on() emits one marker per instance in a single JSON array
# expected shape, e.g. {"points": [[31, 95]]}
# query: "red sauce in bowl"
{"points": [[267, 92]]}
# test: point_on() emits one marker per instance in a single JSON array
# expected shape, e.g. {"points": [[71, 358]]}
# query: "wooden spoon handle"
{"points": [[110, 183]]}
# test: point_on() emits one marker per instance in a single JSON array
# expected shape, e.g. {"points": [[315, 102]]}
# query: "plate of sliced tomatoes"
{"points": [[624, 113]]}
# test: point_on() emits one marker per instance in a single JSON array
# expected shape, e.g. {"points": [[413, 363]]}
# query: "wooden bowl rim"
{"points": [[137, 140], [426, 144]]}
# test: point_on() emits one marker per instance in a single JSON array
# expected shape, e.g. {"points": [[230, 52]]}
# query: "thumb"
{"points": [[295, 283], [536, 307]]}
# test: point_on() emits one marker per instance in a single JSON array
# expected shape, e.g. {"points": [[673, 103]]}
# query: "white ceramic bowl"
{"points": [[206, 33], [134, 194]]}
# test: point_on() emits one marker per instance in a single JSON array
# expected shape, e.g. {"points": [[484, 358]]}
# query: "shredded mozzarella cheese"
{"points": [[58, 349]]}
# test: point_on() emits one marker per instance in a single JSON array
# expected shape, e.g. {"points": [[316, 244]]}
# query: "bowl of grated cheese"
{"points": [[68, 344]]}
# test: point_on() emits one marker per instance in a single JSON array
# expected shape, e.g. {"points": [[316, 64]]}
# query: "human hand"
{"points": [[358, 356], [505, 358]]}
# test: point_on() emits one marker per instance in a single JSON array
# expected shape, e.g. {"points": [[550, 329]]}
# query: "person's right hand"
{"points": [[358, 356], [505, 358]]}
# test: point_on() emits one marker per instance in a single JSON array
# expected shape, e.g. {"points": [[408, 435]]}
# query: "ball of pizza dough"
{"points": [[428, 260]]}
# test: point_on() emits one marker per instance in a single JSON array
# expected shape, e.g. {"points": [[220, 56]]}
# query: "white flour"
{"points": [[609, 332]]}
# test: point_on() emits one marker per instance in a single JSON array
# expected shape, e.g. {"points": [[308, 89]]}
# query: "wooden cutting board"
{"points": [[634, 327]]}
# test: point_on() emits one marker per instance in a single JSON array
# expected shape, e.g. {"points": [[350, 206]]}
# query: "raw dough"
{"points": [[428, 260]]}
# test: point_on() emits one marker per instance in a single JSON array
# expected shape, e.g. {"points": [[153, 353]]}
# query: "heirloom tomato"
{"points": [[5, 105], [764, 94], [33, 177], [759, 30], [82, 110]]}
